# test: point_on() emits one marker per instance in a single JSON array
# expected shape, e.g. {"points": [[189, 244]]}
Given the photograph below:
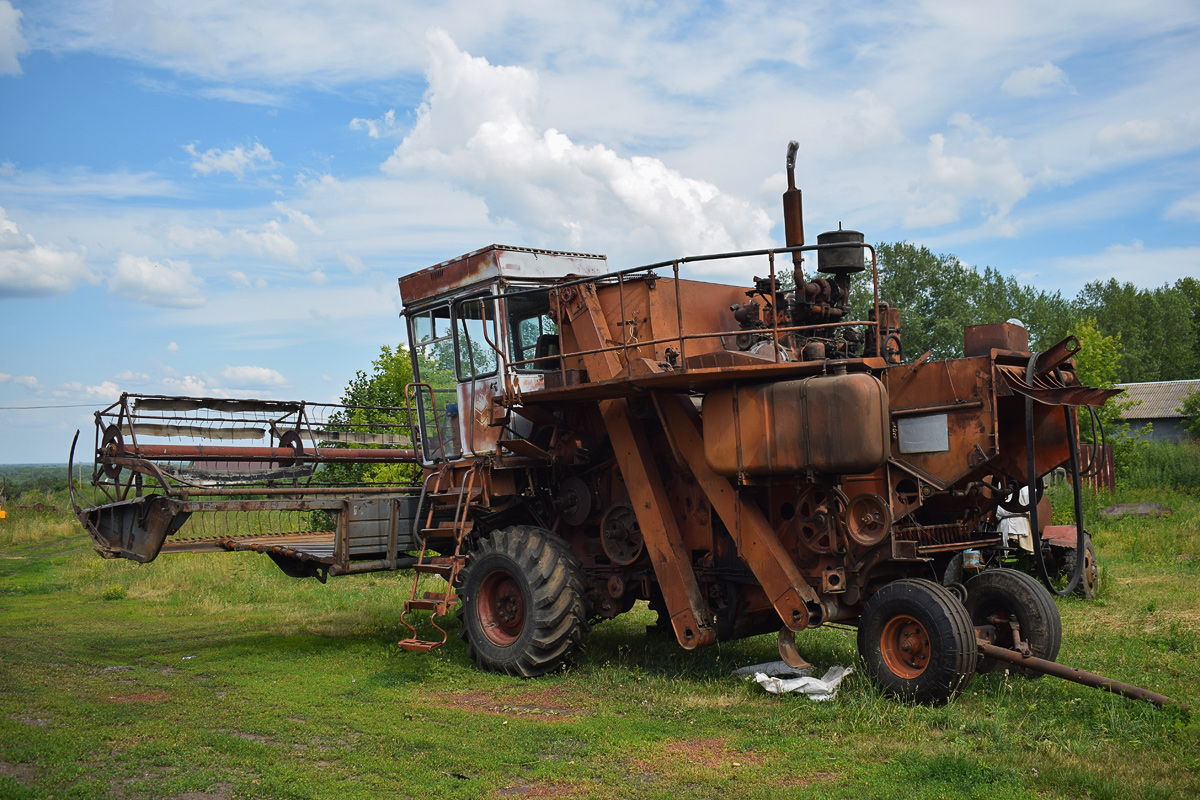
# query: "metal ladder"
{"points": [[447, 567]]}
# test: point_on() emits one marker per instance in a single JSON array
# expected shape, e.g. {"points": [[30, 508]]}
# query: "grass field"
{"points": [[206, 677]]}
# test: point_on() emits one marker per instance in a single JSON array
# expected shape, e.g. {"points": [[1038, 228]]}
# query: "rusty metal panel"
{"points": [[369, 523], [833, 424], [981, 340], [496, 261]]}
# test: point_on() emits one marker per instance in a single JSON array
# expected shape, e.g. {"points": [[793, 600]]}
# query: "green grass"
{"points": [[218, 677]]}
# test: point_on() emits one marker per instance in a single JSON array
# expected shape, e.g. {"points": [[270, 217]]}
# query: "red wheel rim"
{"points": [[904, 645], [501, 608]]}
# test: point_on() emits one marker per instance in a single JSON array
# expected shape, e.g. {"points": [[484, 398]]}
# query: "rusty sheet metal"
{"points": [[981, 340], [196, 431], [166, 403], [316, 543], [493, 262], [1060, 535], [758, 545], [200, 452], [353, 437], [788, 427], [686, 604], [1051, 395]]}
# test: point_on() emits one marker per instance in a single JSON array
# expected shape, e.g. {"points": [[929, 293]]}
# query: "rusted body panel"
{"points": [[790, 427], [493, 263]]}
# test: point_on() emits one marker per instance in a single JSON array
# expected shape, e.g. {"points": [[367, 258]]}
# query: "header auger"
{"points": [[747, 458]]}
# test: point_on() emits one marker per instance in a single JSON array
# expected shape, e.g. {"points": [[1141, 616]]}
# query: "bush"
{"points": [[1166, 465]]}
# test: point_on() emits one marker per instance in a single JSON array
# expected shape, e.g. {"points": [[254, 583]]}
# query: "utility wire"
{"points": [[27, 408]]}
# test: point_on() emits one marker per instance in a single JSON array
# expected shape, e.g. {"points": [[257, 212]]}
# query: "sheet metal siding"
{"points": [[493, 262], [1159, 399]]}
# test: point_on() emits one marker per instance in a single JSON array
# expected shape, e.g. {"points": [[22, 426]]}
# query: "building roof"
{"points": [[1159, 399]]}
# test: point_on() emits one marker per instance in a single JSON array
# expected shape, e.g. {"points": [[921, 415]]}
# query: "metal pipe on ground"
{"points": [[1075, 675]]}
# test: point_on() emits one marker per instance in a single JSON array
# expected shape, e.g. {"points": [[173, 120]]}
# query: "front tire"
{"points": [[917, 641], [998, 595], [522, 607]]}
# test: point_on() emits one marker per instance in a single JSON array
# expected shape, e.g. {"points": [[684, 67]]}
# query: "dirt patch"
{"points": [[706, 754], [221, 791], [37, 722], [548, 704], [543, 790], [139, 697], [253, 737], [21, 773]]}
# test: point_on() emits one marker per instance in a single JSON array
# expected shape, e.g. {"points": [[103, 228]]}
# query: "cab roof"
{"points": [[492, 262]]}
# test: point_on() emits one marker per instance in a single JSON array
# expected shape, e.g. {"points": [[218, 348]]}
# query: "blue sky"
{"points": [[217, 198]]}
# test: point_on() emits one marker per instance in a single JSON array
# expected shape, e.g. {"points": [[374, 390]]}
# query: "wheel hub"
{"points": [[501, 608], [904, 644]]}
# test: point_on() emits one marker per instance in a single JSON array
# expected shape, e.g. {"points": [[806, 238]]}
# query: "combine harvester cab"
{"points": [[747, 458]]}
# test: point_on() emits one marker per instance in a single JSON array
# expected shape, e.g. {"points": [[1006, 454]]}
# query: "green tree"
{"points": [[1098, 364], [1157, 327], [1191, 414], [376, 403]]}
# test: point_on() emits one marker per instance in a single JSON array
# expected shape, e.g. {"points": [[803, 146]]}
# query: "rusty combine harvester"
{"points": [[748, 459]]}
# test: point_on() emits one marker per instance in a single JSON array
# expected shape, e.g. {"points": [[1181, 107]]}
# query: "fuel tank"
{"points": [[833, 424]]}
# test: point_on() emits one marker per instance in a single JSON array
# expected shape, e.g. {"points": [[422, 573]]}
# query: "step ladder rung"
{"points": [[438, 603], [418, 646], [442, 570]]}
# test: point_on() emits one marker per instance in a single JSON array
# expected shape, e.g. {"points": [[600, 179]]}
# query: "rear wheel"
{"points": [[522, 607], [1089, 584], [997, 596], [917, 641]]}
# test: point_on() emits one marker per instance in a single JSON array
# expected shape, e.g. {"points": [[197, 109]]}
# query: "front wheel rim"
{"points": [[904, 645], [501, 608]]}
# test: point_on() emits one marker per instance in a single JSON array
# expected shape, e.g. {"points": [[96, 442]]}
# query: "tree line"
{"points": [[1156, 331]]}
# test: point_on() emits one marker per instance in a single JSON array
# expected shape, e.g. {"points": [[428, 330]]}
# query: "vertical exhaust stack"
{"points": [[793, 213]]}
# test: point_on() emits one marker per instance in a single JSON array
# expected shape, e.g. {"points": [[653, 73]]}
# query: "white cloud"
{"points": [[383, 126], [352, 262], [105, 391], [241, 94], [5, 376], [1036, 81], [1143, 266], [26, 380], [252, 377], [236, 161], [1185, 208], [194, 385], [28, 269], [167, 283], [971, 164], [1148, 136], [12, 42], [270, 241], [267, 241], [129, 376], [240, 280], [172, 347], [476, 127], [298, 216], [318, 277]]}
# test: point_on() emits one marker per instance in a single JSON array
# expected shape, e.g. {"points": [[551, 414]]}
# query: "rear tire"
{"points": [[1089, 584], [522, 607], [1006, 594], [917, 641]]}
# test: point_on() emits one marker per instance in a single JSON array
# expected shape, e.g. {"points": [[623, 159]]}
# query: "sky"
{"points": [[216, 198]]}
